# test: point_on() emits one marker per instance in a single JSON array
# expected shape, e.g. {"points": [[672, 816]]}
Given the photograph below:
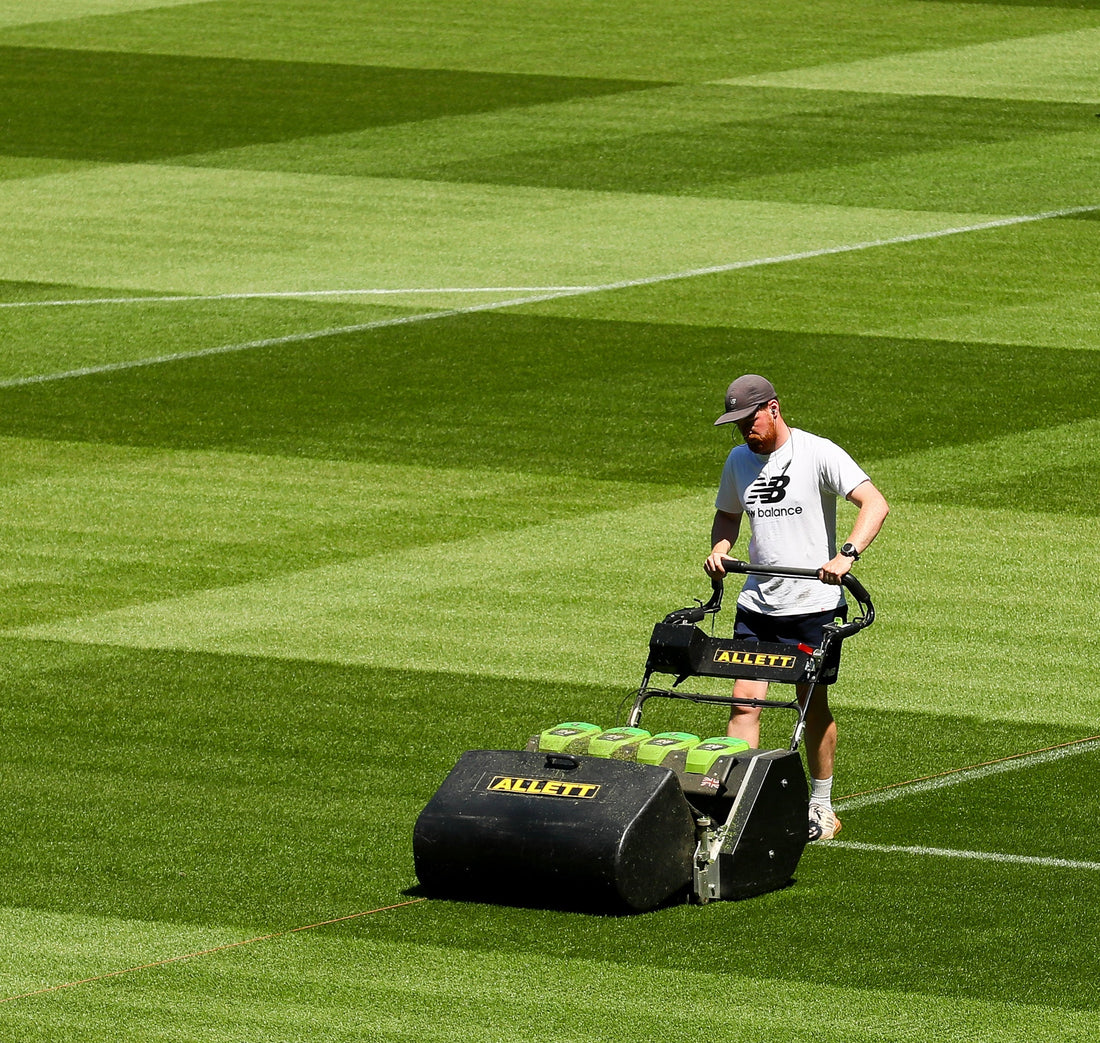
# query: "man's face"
{"points": [[760, 430]]}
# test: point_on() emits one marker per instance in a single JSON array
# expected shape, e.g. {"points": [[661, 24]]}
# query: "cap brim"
{"points": [[736, 414]]}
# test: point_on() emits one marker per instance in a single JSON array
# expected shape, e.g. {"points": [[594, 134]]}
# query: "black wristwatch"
{"points": [[849, 551]]}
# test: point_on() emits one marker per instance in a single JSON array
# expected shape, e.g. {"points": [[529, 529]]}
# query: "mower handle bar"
{"points": [[859, 592], [849, 582]]}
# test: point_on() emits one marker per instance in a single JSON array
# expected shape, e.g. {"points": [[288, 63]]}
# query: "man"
{"points": [[787, 481]]}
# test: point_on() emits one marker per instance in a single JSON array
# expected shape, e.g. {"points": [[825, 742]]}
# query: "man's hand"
{"points": [[834, 571], [713, 565]]}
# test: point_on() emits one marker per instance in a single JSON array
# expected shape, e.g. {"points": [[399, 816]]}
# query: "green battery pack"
{"points": [[701, 758], [619, 744], [570, 737], [654, 750]]}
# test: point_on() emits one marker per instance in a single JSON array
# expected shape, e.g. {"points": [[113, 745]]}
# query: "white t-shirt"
{"points": [[789, 498]]}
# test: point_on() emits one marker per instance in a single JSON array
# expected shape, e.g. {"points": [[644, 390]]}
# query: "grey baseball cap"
{"points": [[744, 396]]}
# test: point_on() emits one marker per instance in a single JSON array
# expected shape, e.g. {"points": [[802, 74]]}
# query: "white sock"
{"points": [[822, 792]]}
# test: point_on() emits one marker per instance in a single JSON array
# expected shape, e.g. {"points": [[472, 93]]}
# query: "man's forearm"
{"points": [[724, 532], [873, 510]]}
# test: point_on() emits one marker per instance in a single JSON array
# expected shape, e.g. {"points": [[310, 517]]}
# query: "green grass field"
{"points": [[357, 376]]}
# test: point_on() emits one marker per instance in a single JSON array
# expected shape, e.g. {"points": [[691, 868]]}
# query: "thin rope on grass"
{"points": [[206, 952], [947, 778]]}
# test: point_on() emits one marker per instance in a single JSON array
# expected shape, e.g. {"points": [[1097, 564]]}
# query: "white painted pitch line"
{"points": [[981, 771], [269, 342], [183, 298], [982, 856], [550, 295]]}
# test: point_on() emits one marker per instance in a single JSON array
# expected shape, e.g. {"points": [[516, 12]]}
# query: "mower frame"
{"points": [[679, 647], [749, 839]]}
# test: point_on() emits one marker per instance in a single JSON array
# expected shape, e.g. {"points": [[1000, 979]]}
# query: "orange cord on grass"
{"points": [[970, 767], [206, 952]]}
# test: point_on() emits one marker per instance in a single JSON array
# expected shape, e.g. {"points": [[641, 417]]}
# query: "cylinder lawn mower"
{"points": [[623, 820]]}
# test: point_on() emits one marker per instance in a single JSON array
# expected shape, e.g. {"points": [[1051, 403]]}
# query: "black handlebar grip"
{"points": [[859, 591]]}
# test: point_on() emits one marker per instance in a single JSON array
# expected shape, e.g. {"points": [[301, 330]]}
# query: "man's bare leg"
{"points": [[820, 740], [745, 720], [820, 732]]}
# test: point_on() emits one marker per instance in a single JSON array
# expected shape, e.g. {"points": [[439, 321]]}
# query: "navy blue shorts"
{"points": [[793, 630]]}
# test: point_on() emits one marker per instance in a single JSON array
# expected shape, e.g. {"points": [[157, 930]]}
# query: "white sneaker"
{"points": [[824, 825]]}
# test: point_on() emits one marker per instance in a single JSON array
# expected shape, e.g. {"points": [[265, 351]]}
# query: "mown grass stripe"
{"points": [[551, 295], [152, 965]]}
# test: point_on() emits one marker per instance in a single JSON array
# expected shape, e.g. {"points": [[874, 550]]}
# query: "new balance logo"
{"points": [[771, 490]]}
